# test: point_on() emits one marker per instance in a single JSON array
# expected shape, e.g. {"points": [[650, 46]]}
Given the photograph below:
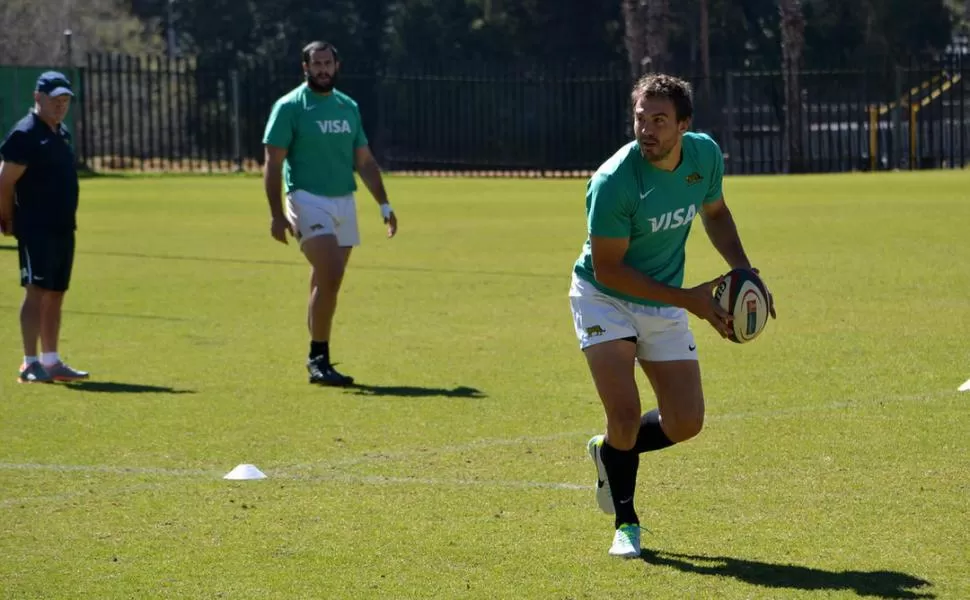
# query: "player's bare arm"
{"points": [[723, 233], [9, 174], [370, 173], [612, 272], [273, 182]]}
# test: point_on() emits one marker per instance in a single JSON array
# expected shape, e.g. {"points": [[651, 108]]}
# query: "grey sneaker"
{"points": [[33, 373], [323, 373], [61, 372]]}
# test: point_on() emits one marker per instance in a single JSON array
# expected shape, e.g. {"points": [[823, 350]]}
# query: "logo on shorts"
{"points": [[316, 227], [694, 177], [595, 331], [691, 347]]}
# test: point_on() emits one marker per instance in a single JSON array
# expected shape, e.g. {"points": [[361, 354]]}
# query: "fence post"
{"points": [[236, 138], [18, 114], [913, 136], [873, 110], [68, 49], [897, 149], [729, 136], [378, 96]]}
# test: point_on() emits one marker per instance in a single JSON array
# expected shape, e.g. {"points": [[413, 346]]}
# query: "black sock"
{"points": [[320, 349], [651, 436], [621, 470]]}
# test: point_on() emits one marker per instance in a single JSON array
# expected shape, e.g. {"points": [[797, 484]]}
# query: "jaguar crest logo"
{"points": [[694, 177]]}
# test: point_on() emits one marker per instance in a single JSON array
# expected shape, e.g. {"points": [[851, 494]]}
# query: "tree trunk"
{"points": [[792, 45], [705, 35], [646, 37], [634, 34], [658, 34]]}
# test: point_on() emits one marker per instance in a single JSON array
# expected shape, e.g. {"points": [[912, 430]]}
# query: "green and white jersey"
{"points": [[629, 198], [321, 133]]}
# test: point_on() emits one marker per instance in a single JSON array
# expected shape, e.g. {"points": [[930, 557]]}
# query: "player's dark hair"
{"points": [[676, 90], [318, 46]]}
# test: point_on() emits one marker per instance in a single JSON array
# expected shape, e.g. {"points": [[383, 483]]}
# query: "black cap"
{"points": [[53, 83]]}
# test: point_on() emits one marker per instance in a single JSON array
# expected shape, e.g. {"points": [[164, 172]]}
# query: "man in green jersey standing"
{"points": [[626, 297], [314, 141]]}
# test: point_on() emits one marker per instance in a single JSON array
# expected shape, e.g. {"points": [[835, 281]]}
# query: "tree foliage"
{"points": [[740, 33], [33, 32]]}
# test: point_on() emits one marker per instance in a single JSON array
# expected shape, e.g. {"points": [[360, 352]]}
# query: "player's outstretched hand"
{"points": [[702, 304], [278, 229], [391, 222]]}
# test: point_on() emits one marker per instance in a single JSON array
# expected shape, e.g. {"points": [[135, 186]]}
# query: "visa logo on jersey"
{"points": [[673, 219], [334, 126]]}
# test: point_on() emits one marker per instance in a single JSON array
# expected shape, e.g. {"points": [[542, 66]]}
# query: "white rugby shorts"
{"points": [[662, 332], [312, 215]]}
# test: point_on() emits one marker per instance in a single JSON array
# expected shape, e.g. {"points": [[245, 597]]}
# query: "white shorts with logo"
{"points": [[662, 332], [312, 216]]}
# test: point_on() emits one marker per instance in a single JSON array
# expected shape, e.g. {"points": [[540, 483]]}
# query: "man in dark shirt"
{"points": [[38, 204]]}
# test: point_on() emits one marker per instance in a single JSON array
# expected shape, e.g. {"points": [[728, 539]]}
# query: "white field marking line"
{"points": [[100, 494], [111, 470], [208, 475], [108, 469], [382, 480], [385, 480], [14, 502], [378, 457], [865, 402]]}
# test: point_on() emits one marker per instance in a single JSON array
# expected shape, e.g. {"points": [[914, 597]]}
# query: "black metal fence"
{"points": [[154, 114]]}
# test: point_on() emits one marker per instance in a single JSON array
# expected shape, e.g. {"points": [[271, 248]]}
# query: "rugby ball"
{"points": [[742, 294]]}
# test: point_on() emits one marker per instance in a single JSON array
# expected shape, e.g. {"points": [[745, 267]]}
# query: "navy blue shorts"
{"points": [[46, 260]]}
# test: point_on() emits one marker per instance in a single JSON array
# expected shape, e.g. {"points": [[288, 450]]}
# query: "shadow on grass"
{"points": [[878, 584], [409, 391], [116, 387], [114, 315], [83, 173], [295, 262]]}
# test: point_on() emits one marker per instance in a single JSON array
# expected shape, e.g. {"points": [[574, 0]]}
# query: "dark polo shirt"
{"points": [[47, 193]]}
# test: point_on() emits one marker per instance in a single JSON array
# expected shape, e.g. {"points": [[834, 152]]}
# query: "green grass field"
{"points": [[834, 462]]}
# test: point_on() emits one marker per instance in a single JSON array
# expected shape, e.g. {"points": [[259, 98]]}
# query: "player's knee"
{"points": [[622, 438], [329, 275], [622, 427], [684, 427], [33, 294]]}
